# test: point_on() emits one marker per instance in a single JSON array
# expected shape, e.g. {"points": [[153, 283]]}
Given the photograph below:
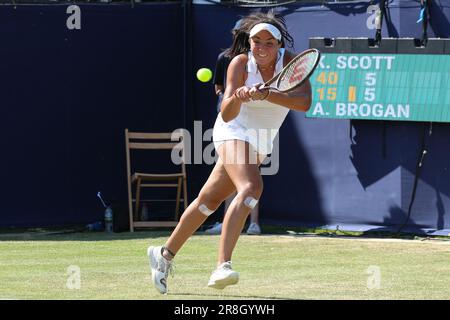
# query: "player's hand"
{"points": [[243, 94], [256, 93]]}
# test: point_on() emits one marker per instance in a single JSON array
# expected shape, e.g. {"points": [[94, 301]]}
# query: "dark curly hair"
{"points": [[241, 35]]}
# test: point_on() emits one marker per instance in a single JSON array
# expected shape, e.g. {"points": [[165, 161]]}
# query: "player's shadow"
{"points": [[79, 234], [371, 151], [230, 296], [379, 148]]}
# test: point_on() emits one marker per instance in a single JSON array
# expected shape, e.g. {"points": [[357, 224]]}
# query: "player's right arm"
{"points": [[235, 91]]}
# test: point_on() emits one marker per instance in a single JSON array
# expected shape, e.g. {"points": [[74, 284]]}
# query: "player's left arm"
{"points": [[299, 99]]}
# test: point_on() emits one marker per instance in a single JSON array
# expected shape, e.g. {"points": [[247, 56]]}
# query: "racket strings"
{"points": [[297, 71]]}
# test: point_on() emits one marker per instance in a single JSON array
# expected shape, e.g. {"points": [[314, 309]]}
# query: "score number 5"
{"points": [[371, 80]]}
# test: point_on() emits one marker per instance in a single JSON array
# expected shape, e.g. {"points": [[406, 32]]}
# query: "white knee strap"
{"points": [[205, 210], [250, 202]]}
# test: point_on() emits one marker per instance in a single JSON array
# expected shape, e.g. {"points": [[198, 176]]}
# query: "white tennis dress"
{"points": [[258, 122]]}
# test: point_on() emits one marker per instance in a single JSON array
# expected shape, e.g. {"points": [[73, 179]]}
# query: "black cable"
{"points": [[422, 153], [426, 6], [379, 21], [379, 25]]}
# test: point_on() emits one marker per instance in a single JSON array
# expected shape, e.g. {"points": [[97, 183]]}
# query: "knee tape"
{"points": [[250, 202], [205, 210]]}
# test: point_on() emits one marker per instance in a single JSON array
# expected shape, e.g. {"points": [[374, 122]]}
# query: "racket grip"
{"points": [[264, 88]]}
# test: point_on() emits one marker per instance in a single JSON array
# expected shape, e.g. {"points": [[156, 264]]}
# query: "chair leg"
{"points": [[138, 198], [185, 193], [130, 205], [177, 208]]}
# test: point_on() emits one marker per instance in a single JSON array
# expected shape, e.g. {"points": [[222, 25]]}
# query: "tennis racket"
{"points": [[295, 73]]}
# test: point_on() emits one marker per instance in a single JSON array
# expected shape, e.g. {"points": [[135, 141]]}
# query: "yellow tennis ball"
{"points": [[204, 74]]}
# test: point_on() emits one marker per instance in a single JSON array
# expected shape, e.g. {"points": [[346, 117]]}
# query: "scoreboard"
{"points": [[381, 86]]}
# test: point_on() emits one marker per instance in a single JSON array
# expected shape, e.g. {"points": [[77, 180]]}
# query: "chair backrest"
{"points": [[155, 141], [175, 143]]}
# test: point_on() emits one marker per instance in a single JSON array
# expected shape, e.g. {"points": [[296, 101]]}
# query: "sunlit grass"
{"points": [[270, 266]]}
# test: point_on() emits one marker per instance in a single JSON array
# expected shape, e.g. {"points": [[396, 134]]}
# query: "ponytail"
{"points": [[240, 45]]}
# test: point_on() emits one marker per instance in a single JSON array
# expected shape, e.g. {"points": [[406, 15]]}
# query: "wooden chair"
{"points": [[139, 180]]}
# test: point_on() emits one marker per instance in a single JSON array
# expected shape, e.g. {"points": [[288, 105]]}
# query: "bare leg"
{"points": [[244, 173], [228, 201], [216, 189], [254, 215]]}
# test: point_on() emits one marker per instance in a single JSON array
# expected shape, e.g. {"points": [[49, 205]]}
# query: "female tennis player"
{"points": [[220, 76], [243, 135]]}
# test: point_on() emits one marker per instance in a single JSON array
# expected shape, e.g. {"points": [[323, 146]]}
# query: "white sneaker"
{"points": [[216, 229], [223, 276], [253, 228], [160, 268]]}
